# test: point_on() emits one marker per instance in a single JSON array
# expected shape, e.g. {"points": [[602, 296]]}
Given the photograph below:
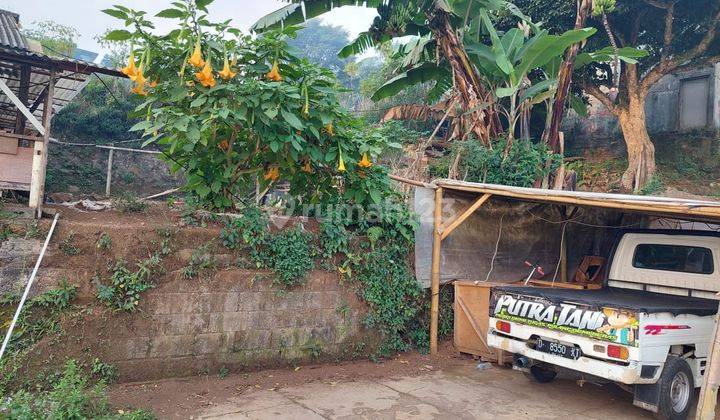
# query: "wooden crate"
{"points": [[472, 311]]}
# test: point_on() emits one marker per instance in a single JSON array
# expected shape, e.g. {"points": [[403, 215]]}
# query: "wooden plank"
{"points": [[435, 273], [15, 170], [472, 314], [22, 136], [8, 145], [445, 231]]}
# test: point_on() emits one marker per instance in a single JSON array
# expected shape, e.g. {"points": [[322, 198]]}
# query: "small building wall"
{"points": [[664, 111]]}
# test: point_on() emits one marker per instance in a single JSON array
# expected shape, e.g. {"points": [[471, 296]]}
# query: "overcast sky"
{"points": [[85, 15]]}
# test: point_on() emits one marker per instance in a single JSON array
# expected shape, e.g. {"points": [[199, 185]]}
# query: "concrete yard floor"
{"points": [[460, 391]]}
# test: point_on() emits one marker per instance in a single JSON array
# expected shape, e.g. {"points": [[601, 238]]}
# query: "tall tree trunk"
{"points": [[479, 116], [641, 151]]}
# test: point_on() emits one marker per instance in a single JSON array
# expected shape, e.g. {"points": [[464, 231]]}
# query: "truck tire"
{"points": [[541, 374], [677, 389]]}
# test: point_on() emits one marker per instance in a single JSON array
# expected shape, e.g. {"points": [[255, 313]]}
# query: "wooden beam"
{"points": [[23, 97], [25, 111], [22, 136], [445, 231], [435, 273], [39, 164]]}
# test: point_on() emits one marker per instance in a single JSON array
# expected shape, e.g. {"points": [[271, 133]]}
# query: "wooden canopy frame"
{"points": [[694, 210]]}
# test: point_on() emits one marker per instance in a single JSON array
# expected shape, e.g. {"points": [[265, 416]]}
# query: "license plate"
{"points": [[558, 349]]}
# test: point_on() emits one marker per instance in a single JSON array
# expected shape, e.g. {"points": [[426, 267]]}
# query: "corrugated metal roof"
{"points": [[71, 74], [10, 34]]}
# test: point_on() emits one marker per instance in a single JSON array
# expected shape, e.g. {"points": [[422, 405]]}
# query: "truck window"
{"points": [[686, 259]]}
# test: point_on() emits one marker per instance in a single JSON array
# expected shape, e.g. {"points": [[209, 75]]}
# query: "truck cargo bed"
{"points": [[637, 300]]}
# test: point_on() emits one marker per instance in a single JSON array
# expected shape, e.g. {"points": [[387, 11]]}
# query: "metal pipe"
{"points": [[27, 288]]}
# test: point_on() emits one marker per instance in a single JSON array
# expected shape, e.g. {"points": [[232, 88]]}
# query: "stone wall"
{"points": [[225, 318]]}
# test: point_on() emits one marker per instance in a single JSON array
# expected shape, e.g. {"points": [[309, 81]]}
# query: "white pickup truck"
{"points": [[649, 327]]}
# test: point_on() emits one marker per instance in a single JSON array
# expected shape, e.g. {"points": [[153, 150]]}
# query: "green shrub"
{"points": [[123, 292], [104, 242], [653, 186], [200, 260], [129, 203], [524, 164], [289, 254], [70, 397], [68, 246]]}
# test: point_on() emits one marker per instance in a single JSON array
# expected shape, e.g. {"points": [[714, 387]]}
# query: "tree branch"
{"points": [[600, 96], [667, 65]]}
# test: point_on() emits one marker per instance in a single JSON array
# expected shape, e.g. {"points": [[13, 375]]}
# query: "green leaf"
{"points": [[578, 105], [199, 101], [141, 126], [504, 92], [271, 113], [292, 119], [202, 190], [116, 13], [548, 47], [537, 88], [375, 196], [421, 73], [171, 14], [118, 35]]}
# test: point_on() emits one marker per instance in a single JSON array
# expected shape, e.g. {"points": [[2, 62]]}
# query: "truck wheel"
{"points": [[677, 389], [542, 374]]}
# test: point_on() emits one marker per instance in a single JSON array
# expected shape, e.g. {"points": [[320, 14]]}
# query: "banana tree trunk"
{"points": [[479, 116], [551, 133]]}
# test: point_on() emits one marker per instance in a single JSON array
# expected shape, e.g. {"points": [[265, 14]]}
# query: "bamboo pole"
{"points": [[445, 231], [658, 207], [435, 273]]}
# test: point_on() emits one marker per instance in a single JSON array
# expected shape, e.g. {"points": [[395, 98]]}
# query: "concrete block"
{"points": [[230, 301], [252, 340], [207, 343], [235, 321], [179, 324], [171, 346]]}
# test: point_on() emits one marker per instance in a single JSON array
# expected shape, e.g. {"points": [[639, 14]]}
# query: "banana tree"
{"points": [[520, 67], [438, 22]]}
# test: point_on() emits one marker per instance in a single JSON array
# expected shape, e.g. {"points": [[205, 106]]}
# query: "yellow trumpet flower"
{"points": [[205, 76], [365, 162], [330, 129], [130, 70], [140, 90], [274, 73], [341, 164], [306, 167], [139, 78], [273, 174], [226, 73], [196, 59]]}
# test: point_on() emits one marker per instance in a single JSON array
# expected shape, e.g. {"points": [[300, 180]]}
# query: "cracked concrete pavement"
{"points": [[460, 392]]}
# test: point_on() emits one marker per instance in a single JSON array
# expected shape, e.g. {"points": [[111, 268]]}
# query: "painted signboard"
{"points": [[599, 323]]}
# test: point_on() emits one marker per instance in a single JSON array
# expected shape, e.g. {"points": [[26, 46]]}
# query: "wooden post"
{"points": [[711, 378], [435, 273], [109, 170], [24, 92], [40, 151]]}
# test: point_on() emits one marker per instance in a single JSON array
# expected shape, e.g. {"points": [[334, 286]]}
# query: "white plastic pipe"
{"points": [[27, 288]]}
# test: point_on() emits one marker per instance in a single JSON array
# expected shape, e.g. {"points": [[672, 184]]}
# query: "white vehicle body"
{"points": [[657, 303]]}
